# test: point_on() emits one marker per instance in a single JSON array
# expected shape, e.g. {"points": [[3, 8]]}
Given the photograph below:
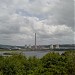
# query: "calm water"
{"points": [[38, 54]]}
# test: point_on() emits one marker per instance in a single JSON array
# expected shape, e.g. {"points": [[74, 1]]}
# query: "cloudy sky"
{"points": [[51, 20]]}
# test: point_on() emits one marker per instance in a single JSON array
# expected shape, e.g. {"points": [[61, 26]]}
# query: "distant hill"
{"points": [[10, 47], [5, 46]]}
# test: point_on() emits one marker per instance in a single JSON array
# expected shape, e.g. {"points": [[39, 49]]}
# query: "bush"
{"points": [[50, 64]]}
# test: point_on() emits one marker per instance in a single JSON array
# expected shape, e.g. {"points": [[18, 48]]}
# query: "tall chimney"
{"points": [[35, 40]]}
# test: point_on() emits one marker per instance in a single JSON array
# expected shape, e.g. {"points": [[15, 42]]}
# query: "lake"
{"points": [[38, 54]]}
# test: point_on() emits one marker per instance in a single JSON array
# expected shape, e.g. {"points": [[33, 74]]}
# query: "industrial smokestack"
{"points": [[35, 40]]}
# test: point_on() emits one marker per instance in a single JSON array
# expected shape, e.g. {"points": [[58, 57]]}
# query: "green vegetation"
{"points": [[50, 64]]}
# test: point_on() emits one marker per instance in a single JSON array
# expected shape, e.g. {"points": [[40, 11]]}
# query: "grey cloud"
{"points": [[63, 13]]}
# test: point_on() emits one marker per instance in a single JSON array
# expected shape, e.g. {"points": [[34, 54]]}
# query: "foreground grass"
{"points": [[50, 64]]}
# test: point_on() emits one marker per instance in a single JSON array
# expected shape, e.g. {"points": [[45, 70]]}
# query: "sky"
{"points": [[51, 20]]}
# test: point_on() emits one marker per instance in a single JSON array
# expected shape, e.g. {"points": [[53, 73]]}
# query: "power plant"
{"points": [[44, 47], [48, 47]]}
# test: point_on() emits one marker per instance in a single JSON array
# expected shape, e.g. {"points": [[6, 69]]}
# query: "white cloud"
{"points": [[50, 19]]}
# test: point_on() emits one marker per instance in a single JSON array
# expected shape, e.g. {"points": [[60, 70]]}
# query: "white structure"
{"points": [[57, 46], [54, 46], [29, 46], [51, 46]]}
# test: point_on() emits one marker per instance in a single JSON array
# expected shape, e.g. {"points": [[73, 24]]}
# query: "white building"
{"points": [[29, 46], [51, 46], [57, 46]]}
